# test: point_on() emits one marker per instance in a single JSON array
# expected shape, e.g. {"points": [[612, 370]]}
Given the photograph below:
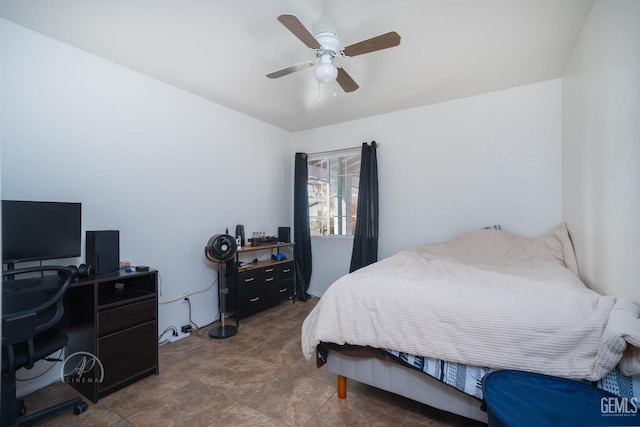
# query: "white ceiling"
{"points": [[222, 49]]}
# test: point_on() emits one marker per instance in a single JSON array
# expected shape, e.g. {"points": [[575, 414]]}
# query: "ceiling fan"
{"points": [[327, 46]]}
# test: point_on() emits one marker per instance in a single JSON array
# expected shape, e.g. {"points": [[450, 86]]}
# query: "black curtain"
{"points": [[365, 241], [301, 232]]}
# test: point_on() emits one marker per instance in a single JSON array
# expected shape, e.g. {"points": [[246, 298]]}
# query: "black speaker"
{"points": [[240, 232], [284, 234], [103, 251]]}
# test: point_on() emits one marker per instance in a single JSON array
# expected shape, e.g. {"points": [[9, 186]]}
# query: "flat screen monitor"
{"points": [[35, 231]]}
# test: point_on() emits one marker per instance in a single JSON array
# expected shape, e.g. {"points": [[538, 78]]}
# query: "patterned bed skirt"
{"points": [[468, 379]]}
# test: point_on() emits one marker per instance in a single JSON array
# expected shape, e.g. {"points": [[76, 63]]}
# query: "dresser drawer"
{"points": [[269, 275], [252, 299], [269, 271], [249, 277], [125, 316], [281, 290], [285, 270]]}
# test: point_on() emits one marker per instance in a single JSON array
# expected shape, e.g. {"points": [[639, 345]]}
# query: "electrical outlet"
{"points": [[185, 293]]}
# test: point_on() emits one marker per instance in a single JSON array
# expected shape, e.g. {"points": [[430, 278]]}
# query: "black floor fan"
{"points": [[220, 249]]}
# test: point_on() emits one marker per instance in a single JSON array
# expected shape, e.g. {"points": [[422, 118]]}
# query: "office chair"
{"points": [[32, 304]]}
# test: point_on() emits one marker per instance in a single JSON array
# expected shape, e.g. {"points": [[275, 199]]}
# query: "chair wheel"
{"points": [[80, 408], [20, 408]]}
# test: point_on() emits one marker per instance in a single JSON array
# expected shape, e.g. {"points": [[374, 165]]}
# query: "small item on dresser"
{"points": [[284, 234], [257, 238], [142, 268], [240, 232]]}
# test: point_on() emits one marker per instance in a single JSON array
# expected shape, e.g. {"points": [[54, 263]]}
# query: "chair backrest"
{"points": [[32, 302]]}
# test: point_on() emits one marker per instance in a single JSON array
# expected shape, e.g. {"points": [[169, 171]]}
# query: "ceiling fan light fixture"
{"points": [[326, 73]]}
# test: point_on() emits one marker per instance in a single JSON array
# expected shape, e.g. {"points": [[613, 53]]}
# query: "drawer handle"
{"points": [[250, 279], [283, 290], [268, 270], [254, 299], [268, 279], [287, 270]]}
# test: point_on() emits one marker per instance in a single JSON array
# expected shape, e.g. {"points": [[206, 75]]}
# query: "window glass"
{"points": [[333, 193]]}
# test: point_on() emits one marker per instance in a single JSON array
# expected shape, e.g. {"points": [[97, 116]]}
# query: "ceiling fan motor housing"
{"points": [[330, 43]]}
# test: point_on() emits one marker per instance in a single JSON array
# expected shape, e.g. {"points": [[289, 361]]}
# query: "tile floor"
{"points": [[256, 378]]}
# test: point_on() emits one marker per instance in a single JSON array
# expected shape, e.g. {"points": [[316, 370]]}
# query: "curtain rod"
{"points": [[340, 150]]}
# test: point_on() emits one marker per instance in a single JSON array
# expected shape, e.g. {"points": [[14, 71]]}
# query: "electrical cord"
{"points": [[55, 362], [169, 328], [190, 320], [185, 297], [190, 294]]}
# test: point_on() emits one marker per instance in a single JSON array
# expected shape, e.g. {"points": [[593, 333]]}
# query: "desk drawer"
{"points": [[125, 316], [127, 353]]}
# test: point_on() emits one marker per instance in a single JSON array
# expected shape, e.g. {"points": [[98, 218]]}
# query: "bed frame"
{"points": [[404, 381]]}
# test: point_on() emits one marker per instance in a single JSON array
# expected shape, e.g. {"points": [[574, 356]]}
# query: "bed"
{"points": [[483, 301]]}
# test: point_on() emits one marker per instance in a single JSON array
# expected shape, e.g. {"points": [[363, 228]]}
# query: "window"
{"points": [[333, 192]]}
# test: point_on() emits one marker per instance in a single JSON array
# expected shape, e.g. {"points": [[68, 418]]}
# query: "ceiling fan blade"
{"points": [[289, 70], [294, 25], [345, 81], [380, 42]]}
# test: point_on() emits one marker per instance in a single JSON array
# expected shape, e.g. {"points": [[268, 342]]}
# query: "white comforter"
{"points": [[487, 298]]}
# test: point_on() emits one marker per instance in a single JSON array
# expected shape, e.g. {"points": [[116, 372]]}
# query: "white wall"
{"points": [[166, 168], [601, 148], [448, 168]]}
